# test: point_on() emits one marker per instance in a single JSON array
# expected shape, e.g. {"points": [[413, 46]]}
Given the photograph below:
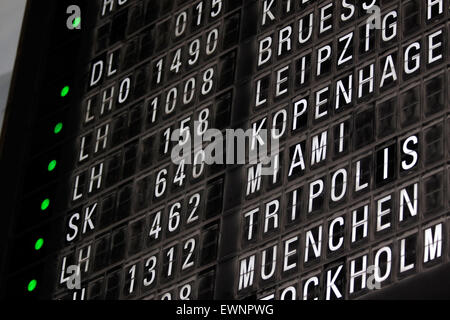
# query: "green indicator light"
{"points": [[45, 204], [32, 285], [39, 243], [52, 165], [58, 128], [76, 22], [65, 91]]}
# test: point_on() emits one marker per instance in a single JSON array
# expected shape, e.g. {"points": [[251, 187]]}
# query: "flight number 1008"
{"points": [[184, 93]]}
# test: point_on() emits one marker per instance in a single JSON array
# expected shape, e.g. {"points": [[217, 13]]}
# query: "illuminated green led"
{"points": [[45, 204], [65, 91], [39, 244], [32, 285], [76, 22], [58, 128], [52, 165]]}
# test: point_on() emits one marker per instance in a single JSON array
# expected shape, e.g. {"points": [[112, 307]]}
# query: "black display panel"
{"points": [[127, 190]]}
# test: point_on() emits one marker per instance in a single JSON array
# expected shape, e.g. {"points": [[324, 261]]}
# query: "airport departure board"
{"points": [[136, 185]]}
